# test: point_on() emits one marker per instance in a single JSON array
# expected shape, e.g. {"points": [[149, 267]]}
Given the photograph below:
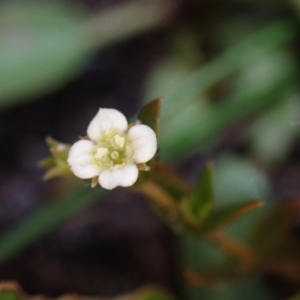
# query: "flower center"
{"points": [[115, 151]]}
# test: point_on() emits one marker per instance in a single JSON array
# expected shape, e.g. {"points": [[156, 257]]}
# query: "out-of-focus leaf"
{"points": [[275, 228], [238, 179], [205, 258], [227, 214], [8, 295], [41, 47], [203, 197], [272, 135], [150, 294], [254, 47], [202, 124], [128, 19], [215, 119], [44, 45], [10, 290]]}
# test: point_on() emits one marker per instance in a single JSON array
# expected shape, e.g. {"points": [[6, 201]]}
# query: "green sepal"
{"points": [[56, 164]]}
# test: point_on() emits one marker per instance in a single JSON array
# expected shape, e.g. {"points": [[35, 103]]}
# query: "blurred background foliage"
{"points": [[228, 72]]}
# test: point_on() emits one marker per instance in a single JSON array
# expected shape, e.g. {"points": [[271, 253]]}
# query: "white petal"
{"points": [[107, 119], [123, 177], [80, 159], [145, 142]]}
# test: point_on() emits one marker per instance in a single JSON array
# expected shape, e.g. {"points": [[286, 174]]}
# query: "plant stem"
{"points": [[44, 221]]}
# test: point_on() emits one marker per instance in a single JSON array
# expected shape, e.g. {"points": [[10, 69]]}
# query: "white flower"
{"points": [[113, 150]]}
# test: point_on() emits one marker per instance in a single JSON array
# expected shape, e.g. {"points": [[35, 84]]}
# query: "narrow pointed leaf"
{"points": [[228, 214], [203, 198], [150, 114]]}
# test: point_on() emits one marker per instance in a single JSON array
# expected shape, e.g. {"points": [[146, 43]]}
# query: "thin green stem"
{"points": [[46, 220]]}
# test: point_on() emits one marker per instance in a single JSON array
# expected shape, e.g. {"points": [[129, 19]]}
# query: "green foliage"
{"points": [[203, 198], [186, 107], [273, 135], [221, 276], [62, 41], [41, 47], [9, 295], [56, 165], [227, 214], [150, 114], [153, 295], [236, 181]]}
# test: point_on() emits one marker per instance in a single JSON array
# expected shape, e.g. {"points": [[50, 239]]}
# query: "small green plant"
{"points": [[227, 238]]}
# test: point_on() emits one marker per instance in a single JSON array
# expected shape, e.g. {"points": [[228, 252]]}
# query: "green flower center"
{"points": [[114, 150]]}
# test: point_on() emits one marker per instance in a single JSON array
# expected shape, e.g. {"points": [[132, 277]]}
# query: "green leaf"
{"points": [[227, 214], [271, 135], [9, 295], [274, 230], [41, 47], [203, 198], [44, 45], [201, 124], [150, 114]]}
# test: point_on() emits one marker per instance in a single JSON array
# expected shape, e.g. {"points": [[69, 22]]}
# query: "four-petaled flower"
{"points": [[113, 150]]}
